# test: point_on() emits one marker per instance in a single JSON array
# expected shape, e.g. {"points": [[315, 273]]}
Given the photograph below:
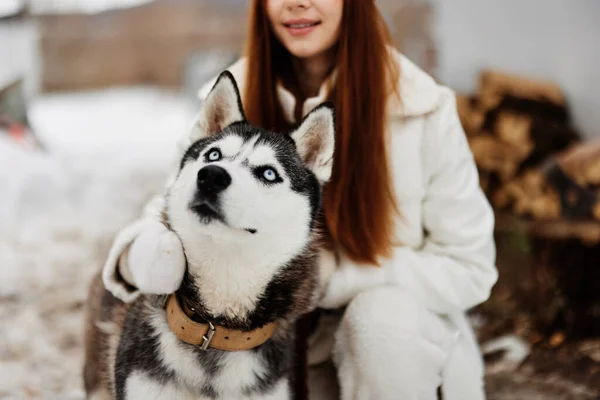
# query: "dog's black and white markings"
{"points": [[283, 147], [244, 205], [140, 354]]}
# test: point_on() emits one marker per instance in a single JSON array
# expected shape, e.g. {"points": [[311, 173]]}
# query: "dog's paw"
{"points": [[156, 260]]}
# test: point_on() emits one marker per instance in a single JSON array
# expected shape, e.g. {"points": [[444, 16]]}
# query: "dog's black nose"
{"points": [[213, 179]]}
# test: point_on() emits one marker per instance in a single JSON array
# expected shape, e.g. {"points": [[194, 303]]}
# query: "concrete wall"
{"points": [[550, 39]]}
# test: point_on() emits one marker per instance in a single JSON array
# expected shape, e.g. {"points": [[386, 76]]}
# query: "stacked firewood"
{"points": [[514, 126], [544, 184], [582, 165]]}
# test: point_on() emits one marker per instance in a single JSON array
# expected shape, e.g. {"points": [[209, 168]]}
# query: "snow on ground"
{"points": [[106, 153]]}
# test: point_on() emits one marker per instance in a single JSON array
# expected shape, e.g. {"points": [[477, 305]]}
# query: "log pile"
{"points": [[543, 181], [515, 126]]}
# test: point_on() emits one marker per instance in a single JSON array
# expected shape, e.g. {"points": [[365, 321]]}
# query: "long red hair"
{"points": [[359, 201]]}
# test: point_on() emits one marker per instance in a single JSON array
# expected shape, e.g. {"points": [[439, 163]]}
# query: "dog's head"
{"points": [[246, 199]]}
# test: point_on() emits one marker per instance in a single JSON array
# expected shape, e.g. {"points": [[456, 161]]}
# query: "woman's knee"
{"points": [[382, 349], [395, 317]]}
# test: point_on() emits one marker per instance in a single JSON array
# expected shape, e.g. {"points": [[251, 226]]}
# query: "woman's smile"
{"points": [[301, 27]]}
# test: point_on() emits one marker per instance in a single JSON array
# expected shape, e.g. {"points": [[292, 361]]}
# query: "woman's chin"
{"points": [[304, 50]]}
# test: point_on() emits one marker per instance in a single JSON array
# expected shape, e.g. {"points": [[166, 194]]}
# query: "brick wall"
{"points": [[149, 44]]}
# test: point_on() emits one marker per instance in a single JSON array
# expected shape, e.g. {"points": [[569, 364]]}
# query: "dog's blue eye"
{"points": [[270, 174], [214, 155]]}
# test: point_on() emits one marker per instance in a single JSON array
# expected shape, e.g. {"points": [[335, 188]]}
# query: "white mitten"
{"points": [[348, 280], [155, 262]]}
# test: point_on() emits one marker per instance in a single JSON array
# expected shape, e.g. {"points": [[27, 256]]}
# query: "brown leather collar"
{"points": [[214, 336]]}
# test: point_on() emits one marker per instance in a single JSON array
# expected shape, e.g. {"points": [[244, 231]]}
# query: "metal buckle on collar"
{"points": [[206, 339]]}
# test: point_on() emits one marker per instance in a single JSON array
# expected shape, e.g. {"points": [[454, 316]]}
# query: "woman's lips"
{"points": [[300, 27]]}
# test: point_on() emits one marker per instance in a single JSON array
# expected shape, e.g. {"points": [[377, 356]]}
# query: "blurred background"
{"points": [[95, 93]]}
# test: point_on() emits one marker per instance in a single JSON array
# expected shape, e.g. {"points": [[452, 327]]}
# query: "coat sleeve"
{"points": [[454, 269]]}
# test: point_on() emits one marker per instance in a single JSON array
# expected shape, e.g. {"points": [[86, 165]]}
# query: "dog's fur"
{"points": [[251, 259]]}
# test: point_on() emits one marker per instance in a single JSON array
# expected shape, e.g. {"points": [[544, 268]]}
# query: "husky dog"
{"points": [[245, 205]]}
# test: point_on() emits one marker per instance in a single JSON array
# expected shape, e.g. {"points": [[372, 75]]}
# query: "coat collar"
{"points": [[419, 93]]}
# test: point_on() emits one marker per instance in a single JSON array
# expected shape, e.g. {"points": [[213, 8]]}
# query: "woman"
{"points": [[412, 230]]}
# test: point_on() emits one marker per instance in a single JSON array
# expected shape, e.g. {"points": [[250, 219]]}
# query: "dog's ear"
{"points": [[222, 107], [315, 140]]}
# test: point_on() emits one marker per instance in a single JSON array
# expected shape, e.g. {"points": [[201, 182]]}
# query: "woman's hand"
{"points": [[155, 262], [349, 280]]}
